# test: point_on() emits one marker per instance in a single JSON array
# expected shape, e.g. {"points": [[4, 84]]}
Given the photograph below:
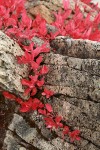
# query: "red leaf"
{"points": [[48, 93], [58, 121], [19, 100], [66, 4], [37, 21], [34, 91], [65, 130], [27, 91], [36, 52], [87, 33], [11, 32], [45, 48], [31, 85], [60, 125], [26, 58], [11, 21], [49, 107], [25, 82], [34, 65], [44, 70], [1, 23], [86, 1], [20, 6], [29, 48], [39, 60], [2, 10], [41, 105], [42, 111], [42, 28], [9, 95], [26, 106], [26, 21], [49, 122], [33, 78], [74, 135], [59, 20], [40, 82], [35, 104]]}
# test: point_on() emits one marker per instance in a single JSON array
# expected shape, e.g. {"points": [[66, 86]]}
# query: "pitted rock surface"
{"points": [[75, 78], [11, 72], [77, 48]]}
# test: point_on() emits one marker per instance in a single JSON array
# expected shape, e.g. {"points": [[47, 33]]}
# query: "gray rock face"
{"points": [[10, 71], [75, 78], [27, 134], [77, 48]]}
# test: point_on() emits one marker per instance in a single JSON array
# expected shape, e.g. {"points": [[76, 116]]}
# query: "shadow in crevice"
{"points": [[7, 109]]}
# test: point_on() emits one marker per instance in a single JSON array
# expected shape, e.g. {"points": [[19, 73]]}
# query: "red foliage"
{"points": [[48, 93], [50, 123], [44, 70], [78, 26], [9, 95], [86, 1], [66, 130], [37, 104], [74, 135], [26, 106], [49, 108], [58, 120]]}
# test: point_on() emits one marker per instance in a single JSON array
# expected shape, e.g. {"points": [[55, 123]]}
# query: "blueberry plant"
{"points": [[15, 22]]}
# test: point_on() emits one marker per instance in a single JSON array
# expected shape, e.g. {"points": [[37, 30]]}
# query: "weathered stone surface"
{"points": [[13, 143], [6, 112], [29, 135], [44, 11], [77, 48], [75, 78], [10, 71]]}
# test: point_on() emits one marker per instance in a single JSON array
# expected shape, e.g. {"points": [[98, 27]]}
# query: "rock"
{"points": [[43, 11], [29, 134], [12, 143], [76, 82], [77, 48], [11, 72]]}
